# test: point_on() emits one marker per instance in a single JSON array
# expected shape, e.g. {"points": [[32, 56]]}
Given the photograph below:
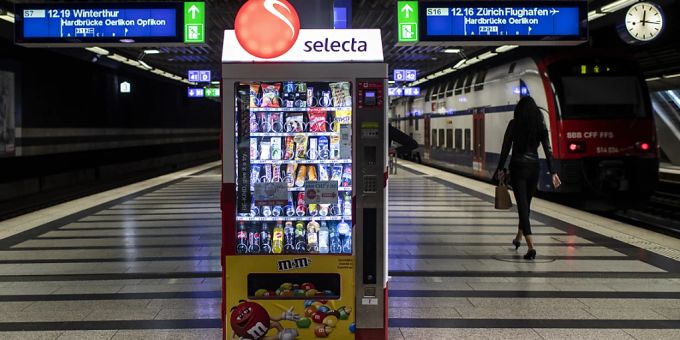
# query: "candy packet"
{"points": [[276, 148], [265, 150], [290, 174], [323, 172], [270, 95], [335, 147], [324, 152], [311, 173], [254, 126], [253, 148], [341, 117], [300, 146], [317, 119], [294, 122], [313, 152], [275, 120], [341, 94], [290, 148], [300, 179], [254, 89], [255, 173], [336, 172]]}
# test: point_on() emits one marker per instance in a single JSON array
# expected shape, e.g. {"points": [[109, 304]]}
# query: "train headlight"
{"points": [[577, 147]]}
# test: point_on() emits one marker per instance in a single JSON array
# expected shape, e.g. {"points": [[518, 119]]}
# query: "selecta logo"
{"points": [[267, 28]]}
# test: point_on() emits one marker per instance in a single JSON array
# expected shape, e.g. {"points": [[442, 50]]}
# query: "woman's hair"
{"points": [[528, 123]]}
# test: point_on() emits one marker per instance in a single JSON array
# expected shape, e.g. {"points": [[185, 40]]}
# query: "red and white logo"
{"points": [[267, 28]]}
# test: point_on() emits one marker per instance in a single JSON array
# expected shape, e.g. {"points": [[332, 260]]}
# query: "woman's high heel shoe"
{"points": [[530, 255], [516, 243]]}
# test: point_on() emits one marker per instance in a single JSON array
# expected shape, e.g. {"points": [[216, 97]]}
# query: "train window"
{"points": [[433, 135], [601, 97], [459, 139], [468, 82], [449, 138], [479, 82], [468, 143], [442, 142], [512, 68], [458, 89], [449, 88]]}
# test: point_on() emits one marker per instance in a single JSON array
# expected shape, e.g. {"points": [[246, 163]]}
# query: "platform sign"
{"points": [[200, 75], [489, 22], [411, 91], [405, 75], [211, 92], [100, 23], [407, 21], [194, 22], [195, 92], [395, 91]]}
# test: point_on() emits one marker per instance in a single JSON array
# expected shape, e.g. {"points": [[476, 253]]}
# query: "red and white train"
{"points": [[596, 106]]}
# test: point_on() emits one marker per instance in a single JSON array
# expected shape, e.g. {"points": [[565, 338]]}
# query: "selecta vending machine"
{"points": [[304, 179]]}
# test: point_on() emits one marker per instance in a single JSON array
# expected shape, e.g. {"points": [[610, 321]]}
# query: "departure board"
{"points": [[92, 22], [522, 21]]}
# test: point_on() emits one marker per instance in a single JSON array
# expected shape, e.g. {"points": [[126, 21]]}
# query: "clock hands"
{"points": [[644, 16]]}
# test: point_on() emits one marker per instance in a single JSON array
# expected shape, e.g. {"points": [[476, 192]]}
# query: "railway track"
{"points": [[661, 212]]}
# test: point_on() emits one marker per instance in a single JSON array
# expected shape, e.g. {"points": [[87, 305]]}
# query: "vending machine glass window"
{"points": [[294, 167]]}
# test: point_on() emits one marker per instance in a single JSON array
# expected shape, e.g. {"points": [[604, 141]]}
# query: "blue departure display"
{"points": [[99, 23], [510, 20]]}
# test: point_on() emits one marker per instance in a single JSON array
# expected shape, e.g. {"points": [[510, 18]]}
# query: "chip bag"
{"points": [[270, 95]]}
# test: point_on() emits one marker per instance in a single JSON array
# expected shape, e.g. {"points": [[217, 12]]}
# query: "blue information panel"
{"points": [[520, 21], [97, 22]]}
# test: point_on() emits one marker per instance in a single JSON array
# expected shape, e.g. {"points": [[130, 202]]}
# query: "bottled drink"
{"points": [[347, 204], [266, 211], [254, 241], [277, 239], [242, 239], [323, 238], [266, 238], [289, 238], [345, 232], [335, 245], [300, 243], [313, 236], [277, 211], [290, 208]]}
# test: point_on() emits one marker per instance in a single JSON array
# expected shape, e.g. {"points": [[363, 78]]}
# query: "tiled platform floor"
{"points": [[146, 266]]}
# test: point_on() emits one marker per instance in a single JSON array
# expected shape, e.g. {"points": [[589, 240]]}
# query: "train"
{"points": [[595, 103]]}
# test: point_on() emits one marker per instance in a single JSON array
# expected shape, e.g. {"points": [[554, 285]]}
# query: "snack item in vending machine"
{"points": [[300, 179], [347, 204], [254, 210], [276, 173], [346, 176], [311, 173], [270, 95], [276, 211], [326, 99], [300, 146], [276, 148], [301, 210], [254, 89], [341, 94], [290, 174], [317, 119], [289, 238], [342, 117], [324, 169], [265, 150], [255, 173], [266, 237], [263, 121], [324, 152], [289, 91], [301, 95], [289, 153], [254, 126], [300, 243], [313, 209], [266, 211], [254, 240], [295, 122], [313, 236], [324, 209], [310, 96], [253, 148], [241, 239], [313, 152], [290, 208], [335, 147], [267, 173], [337, 173], [275, 120]]}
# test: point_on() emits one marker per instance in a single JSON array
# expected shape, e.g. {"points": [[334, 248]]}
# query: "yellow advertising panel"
{"points": [[289, 297]]}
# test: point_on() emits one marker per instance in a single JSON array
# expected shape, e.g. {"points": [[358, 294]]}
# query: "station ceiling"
{"points": [[657, 58]]}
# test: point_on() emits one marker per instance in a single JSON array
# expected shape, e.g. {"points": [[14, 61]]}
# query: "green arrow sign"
{"points": [[194, 22], [212, 91], [407, 21]]}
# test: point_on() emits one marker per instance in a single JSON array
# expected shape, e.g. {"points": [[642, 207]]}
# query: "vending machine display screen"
{"points": [[294, 167], [370, 98]]}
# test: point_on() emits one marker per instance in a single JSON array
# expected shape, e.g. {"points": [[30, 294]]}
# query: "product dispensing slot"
{"points": [[369, 262], [293, 286]]}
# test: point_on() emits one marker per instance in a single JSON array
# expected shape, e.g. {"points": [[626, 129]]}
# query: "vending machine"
{"points": [[304, 188]]}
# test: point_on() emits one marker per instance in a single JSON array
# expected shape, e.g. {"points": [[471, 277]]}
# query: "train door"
{"points": [[479, 154], [428, 144]]}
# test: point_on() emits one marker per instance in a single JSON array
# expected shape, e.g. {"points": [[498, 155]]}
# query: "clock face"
{"points": [[644, 21]]}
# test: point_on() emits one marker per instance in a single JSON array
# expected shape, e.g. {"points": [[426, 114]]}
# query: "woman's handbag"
{"points": [[502, 196]]}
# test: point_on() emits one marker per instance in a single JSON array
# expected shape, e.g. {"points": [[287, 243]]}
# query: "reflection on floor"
{"points": [[146, 266]]}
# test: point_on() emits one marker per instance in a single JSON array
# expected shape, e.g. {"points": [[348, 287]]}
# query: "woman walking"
{"points": [[523, 135]]}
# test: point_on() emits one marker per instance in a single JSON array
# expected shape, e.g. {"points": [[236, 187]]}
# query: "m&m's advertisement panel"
{"points": [[289, 297]]}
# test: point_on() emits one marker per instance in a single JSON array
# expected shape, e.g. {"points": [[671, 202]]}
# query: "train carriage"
{"points": [[595, 105]]}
